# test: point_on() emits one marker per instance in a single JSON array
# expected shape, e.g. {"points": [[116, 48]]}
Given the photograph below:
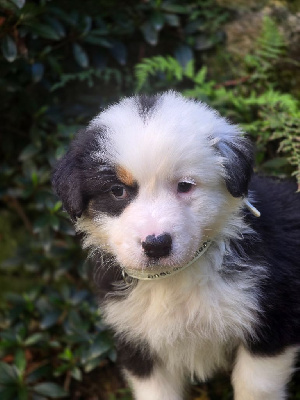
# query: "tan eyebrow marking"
{"points": [[125, 176]]}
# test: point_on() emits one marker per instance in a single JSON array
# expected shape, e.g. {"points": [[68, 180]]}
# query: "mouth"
{"points": [[155, 271]]}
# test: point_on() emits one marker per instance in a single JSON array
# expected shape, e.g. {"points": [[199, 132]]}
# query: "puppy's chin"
{"points": [[156, 264]]}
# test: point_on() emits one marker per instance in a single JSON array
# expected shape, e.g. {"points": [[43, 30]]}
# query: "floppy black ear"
{"points": [[76, 175], [237, 153], [66, 181]]}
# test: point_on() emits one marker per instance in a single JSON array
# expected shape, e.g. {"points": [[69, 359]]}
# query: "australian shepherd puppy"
{"points": [[197, 261]]}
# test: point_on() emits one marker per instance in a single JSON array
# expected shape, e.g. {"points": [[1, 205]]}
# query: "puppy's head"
{"points": [[152, 177]]}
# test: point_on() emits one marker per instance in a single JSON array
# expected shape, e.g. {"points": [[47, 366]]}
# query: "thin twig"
{"points": [[14, 203], [233, 82]]}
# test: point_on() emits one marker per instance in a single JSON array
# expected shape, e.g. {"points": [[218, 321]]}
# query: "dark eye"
{"points": [[119, 192], [184, 187]]}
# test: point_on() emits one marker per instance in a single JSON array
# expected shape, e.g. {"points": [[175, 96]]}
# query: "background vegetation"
{"points": [[60, 63]]}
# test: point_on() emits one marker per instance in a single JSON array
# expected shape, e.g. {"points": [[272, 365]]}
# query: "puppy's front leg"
{"points": [[262, 378], [159, 385]]}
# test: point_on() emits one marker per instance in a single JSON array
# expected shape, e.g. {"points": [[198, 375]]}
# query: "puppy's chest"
{"points": [[185, 318]]}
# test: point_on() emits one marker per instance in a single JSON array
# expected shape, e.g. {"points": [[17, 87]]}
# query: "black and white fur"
{"points": [[167, 165]]}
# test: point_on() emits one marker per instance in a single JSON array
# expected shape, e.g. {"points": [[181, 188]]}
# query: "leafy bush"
{"points": [[267, 114], [60, 62], [49, 336]]}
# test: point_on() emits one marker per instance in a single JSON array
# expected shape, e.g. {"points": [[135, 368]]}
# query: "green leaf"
{"points": [[275, 163], [41, 223], [66, 355], [35, 338], [43, 30], [50, 389], [175, 8], [183, 54], [92, 364], [20, 360], [157, 20], [201, 75], [56, 25], [38, 397], [38, 373], [66, 227], [86, 24], [80, 55], [57, 206], [22, 393], [8, 393], [204, 42], [54, 222], [119, 52], [76, 374], [172, 20], [8, 374], [18, 3], [194, 26], [50, 319], [100, 41], [150, 34], [28, 152], [78, 297], [9, 48], [37, 72], [97, 349]]}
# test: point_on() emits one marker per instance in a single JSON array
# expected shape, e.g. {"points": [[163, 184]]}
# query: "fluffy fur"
{"points": [[151, 168]]}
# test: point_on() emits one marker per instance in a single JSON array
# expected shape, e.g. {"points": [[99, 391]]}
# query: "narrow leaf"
{"points": [[20, 360], [50, 389], [172, 20], [37, 71], [18, 3], [9, 48], [150, 34], [183, 54], [80, 56], [8, 374], [28, 152], [119, 52], [76, 374], [50, 319], [157, 20], [44, 31], [35, 338]]}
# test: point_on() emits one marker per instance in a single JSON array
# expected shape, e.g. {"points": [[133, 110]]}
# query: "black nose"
{"points": [[157, 246]]}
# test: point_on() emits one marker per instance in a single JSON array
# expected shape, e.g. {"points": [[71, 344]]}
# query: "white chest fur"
{"points": [[194, 319]]}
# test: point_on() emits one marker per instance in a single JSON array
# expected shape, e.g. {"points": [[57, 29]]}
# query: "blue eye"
{"points": [[119, 192]]}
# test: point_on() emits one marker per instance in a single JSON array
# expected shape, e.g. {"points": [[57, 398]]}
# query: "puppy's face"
{"points": [[152, 178]]}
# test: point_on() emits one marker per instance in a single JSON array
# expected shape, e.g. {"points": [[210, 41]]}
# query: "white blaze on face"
{"points": [[171, 144]]}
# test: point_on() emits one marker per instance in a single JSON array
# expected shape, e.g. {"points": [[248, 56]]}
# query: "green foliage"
{"points": [[266, 113], [49, 336], [60, 61], [270, 48]]}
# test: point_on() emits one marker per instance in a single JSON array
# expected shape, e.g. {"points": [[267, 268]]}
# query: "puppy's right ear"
{"points": [[66, 182], [68, 179]]}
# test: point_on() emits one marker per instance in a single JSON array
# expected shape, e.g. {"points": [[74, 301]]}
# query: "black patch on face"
{"points": [[135, 358], [73, 177], [238, 164], [146, 104], [103, 200], [80, 177]]}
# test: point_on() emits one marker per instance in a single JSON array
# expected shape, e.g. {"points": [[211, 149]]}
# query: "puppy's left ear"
{"points": [[238, 157]]}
